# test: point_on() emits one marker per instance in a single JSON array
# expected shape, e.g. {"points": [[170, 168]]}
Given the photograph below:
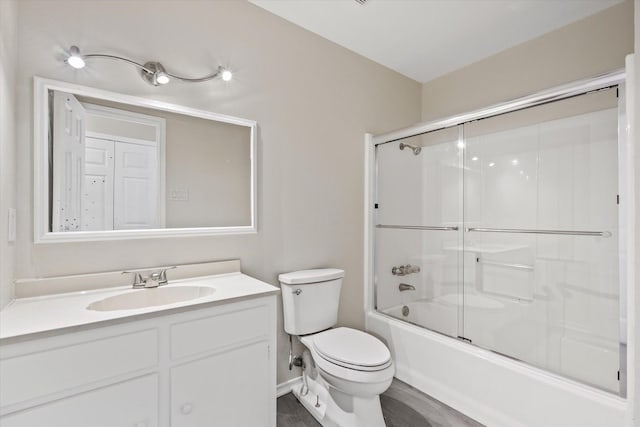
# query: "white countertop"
{"points": [[26, 316]]}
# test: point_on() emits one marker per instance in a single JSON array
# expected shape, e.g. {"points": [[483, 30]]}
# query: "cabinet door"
{"points": [[229, 389], [131, 403]]}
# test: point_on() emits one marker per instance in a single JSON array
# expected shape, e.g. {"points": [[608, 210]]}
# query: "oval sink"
{"points": [[143, 298]]}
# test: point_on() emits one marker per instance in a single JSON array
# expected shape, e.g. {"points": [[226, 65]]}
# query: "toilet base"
{"points": [[332, 408]]}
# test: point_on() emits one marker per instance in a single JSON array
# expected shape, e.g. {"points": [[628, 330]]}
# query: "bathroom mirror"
{"points": [[114, 166]]}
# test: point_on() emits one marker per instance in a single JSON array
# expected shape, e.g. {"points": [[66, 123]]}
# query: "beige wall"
{"points": [[313, 102], [594, 45], [8, 58]]}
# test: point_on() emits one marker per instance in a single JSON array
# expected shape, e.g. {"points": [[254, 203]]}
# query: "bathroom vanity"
{"points": [[200, 362]]}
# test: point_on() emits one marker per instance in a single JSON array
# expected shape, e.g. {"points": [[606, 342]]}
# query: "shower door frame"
{"points": [[625, 215]]}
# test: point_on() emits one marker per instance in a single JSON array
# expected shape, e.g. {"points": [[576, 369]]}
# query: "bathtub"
{"points": [[492, 389], [441, 313]]}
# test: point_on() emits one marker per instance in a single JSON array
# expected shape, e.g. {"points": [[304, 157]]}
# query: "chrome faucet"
{"points": [[406, 287], [153, 280]]}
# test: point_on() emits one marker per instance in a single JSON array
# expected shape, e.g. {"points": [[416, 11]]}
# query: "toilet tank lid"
{"points": [[311, 276]]}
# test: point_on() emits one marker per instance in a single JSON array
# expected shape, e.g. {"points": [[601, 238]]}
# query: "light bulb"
{"points": [[162, 78], [160, 75], [74, 59], [227, 75]]}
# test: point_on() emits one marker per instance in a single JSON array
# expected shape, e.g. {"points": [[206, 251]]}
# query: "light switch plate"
{"points": [[179, 195]]}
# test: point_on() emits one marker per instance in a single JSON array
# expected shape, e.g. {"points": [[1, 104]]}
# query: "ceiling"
{"points": [[424, 39]]}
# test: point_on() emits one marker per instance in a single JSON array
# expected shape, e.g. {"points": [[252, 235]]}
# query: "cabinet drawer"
{"points": [[218, 331], [132, 403], [53, 370]]}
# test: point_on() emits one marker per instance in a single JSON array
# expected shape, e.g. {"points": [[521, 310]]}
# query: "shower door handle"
{"points": [[417, 227], [528, 231]]}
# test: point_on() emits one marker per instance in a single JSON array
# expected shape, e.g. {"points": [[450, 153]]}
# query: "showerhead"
{"points": [[416, 150]]}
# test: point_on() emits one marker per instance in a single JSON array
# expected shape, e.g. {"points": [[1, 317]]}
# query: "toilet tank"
{"points": [[310, 299]]}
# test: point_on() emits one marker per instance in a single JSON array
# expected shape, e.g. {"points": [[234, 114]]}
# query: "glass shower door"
{"points": [[540, 240], [418, 234]]}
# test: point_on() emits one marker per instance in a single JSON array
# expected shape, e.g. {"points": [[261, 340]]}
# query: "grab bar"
{"points": [[525, 231], [416, 227]]}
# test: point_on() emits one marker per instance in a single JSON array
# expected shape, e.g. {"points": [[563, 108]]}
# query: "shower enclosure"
{"points": [[501, 228]]}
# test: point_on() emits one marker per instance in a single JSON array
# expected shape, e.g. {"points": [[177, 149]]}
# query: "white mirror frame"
{"points": [[41, 233]]}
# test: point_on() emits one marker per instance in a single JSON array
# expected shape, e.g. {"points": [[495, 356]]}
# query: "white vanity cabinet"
{"points": [[209, 366]]}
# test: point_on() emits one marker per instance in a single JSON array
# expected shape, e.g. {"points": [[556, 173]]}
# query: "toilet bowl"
{"points": [[351, 361], [344, 370]]}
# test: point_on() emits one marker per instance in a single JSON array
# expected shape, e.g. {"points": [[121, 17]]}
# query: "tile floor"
{"points": [[402, 406]]}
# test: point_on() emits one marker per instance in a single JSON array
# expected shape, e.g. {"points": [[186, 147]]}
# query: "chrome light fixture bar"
{"points": [[152, 72]]}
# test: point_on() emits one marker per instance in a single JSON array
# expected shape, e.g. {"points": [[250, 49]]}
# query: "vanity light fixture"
{"points": [[152, 72]]}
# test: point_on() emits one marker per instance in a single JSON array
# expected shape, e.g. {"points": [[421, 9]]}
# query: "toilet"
{"points": [[344, 370]]}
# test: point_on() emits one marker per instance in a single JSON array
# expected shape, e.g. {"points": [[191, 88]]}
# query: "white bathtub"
{"points": [[495, 390], [510, 328], [441, 314]]}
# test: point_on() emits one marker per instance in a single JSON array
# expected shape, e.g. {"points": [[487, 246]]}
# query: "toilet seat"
{"points": [[352, 349], [350, 372]]}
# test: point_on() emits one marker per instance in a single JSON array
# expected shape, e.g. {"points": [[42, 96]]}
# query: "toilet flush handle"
{"points": [[297, 291]]}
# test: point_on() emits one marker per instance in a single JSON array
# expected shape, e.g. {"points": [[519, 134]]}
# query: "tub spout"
{"points": [[406, 287]]}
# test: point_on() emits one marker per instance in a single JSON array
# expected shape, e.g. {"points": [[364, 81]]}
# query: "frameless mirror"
{"points": [[111, 166]]}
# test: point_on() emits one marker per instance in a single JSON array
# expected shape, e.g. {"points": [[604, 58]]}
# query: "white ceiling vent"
{"points": [[363, 2]]}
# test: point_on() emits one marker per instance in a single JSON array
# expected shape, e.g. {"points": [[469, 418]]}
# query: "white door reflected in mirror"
{"points": [[68, 161], [106, 167]]}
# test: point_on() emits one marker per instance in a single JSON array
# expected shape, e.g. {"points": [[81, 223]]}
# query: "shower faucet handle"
{"points": [[403, 270], [398, 271], [410, 269]]}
